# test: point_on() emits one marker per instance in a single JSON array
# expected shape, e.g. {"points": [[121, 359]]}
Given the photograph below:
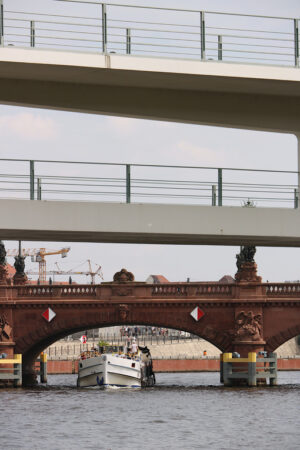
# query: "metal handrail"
{"points": [[135, 183], [232, 43], [174, 9], [165, 166]]}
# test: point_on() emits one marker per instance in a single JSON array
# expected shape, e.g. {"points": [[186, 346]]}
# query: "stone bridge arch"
{"points": [[281, 315], [36, 334], [282, 337]]}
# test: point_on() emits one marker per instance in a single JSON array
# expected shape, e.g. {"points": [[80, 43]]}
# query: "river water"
{"points": [[183, 411]]}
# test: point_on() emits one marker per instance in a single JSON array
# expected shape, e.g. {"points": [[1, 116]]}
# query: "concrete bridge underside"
{"points": [[211, 93], [148, 223], [220, 94]]}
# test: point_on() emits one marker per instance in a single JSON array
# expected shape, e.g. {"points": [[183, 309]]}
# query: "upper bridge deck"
{"points": [[157, 63]]}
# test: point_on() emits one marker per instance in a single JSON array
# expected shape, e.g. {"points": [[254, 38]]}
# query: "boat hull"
{"points": [[110, 370]]}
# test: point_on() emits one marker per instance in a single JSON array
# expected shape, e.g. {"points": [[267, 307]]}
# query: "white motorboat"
{"points": [[116, 368]]}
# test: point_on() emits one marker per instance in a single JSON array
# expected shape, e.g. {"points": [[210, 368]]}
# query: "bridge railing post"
{"points": [[220, 187], [128, 41], [128, 184], [31, 180], [32, 33], [296, 41], [1, 23], [220, 48], [104, 28], [213, 195], [202, 34], [39, 189], [296, 198]]}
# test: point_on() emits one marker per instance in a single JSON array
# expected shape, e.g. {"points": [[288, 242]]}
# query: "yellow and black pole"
{"points": [[43, 367]]}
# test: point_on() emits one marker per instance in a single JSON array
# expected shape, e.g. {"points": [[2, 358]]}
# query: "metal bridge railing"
{"points": [[165, 32], [132, 183]]}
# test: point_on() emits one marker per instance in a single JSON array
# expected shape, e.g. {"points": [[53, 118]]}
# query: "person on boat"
{"points": [[134, 347]]}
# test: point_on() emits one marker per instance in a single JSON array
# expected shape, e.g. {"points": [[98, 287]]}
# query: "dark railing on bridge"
{"points": [[282, 289], [76, 290], [91, 181], [73, 25], [187, 290], [193, 289]]}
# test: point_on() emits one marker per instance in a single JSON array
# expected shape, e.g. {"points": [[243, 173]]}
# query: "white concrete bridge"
{"points": [[209, 93], [218, 93]]}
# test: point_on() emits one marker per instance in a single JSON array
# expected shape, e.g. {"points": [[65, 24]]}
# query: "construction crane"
{"points": [[38, 255], [92, 273]]}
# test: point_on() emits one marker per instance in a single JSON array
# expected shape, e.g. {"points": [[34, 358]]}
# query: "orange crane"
{"points": [[92, 273], [38, 255]]}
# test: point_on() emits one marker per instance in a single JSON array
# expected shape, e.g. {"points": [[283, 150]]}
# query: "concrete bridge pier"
{"points": [[7, 344], [248, 335], [7, 348], [29, 375]]}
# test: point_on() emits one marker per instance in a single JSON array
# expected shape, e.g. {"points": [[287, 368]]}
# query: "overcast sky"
{"points": [[41, 134]]}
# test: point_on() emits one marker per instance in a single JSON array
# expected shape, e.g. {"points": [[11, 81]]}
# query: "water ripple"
{"points": [[184, 411]]}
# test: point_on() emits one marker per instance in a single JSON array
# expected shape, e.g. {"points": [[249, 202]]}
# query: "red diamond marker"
{"points": [[49, 315], [197, 313]]}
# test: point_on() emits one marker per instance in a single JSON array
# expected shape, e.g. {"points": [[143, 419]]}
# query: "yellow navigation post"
{"points": [[43, 367], [252, 369]]}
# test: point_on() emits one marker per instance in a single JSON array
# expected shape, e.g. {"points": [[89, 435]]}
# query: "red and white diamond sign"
{"points": [[49, 315], [197, 313]]}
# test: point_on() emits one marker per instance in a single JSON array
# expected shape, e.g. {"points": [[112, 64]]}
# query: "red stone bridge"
{"points": [[244, 316]]}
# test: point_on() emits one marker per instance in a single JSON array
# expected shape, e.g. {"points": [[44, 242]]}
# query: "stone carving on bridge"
{"points": [[246, 254], [123, 276], [5, 328], [20, 264], [2, 254], [247, 268], [248, 326], [20, 276], [123, 312], [3, 275], [122, 291], [3, 271]]}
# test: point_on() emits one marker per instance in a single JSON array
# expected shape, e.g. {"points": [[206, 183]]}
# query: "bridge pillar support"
{"points": [[7, 348], [7, 342], [29, 375], [6, 353]]}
